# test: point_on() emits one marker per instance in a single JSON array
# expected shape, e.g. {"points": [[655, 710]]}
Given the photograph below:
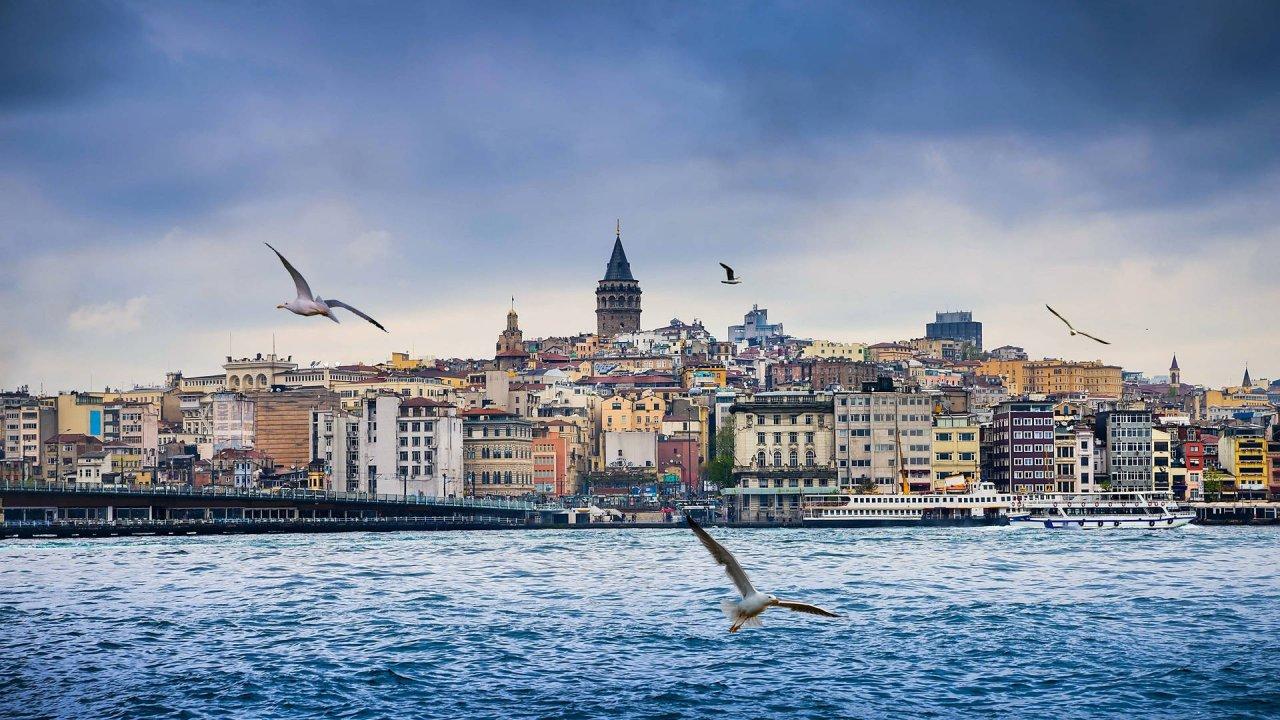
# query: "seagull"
{"points": [[1075, 331], [731, 278], [306, 304], [745, 612]]}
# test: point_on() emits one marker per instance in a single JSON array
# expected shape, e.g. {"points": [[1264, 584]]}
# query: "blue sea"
{"points": [[983, 622]]}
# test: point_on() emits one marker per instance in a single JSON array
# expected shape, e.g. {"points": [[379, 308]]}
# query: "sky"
{"points": [[862, 165]]}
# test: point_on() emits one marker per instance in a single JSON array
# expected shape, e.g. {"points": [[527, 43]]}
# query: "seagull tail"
{"points": [[730, 609]]}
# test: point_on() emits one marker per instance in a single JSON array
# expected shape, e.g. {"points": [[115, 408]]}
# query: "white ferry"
{"points": [[976, 504], [1092, 511]]}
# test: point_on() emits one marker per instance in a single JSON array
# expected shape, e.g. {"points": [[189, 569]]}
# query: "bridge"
{"points": [[34, 501]]}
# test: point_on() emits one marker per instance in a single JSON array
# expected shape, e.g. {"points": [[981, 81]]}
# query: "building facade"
{"points": [[783, 450], [1018, 447], [497, 453], [883, 440], [955, 326]]}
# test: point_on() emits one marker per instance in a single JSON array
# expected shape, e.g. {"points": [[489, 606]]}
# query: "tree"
{"points": [[719, 470]]}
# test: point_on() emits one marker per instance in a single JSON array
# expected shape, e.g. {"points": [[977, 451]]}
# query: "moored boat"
{"points": [[979, 504], [1094, 511]]}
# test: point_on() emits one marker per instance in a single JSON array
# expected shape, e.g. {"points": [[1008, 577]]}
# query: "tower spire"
{"points": [[618, 230]]}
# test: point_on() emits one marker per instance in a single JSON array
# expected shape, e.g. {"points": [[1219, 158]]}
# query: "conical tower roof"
{"points": [[1247, 382], [619, 268], [1174, 365]]}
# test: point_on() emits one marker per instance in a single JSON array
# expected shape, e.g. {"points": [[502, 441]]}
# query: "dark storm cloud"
{"points": [[57, 51]]}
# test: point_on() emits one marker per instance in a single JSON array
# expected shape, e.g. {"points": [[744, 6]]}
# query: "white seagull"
{"points": [[1075, 331], [731, 279], [307, 304], [745, 613]]}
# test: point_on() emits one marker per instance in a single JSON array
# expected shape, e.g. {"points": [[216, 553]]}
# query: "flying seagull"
{"points": [[1073, 330], [730, 279], [745, 612], [306, 304]]}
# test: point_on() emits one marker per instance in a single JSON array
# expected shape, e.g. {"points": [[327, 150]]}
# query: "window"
{"points": [[777, 458]]}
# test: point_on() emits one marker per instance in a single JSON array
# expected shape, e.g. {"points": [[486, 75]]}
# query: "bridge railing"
{"points": [[256, 494], [209, 522]]}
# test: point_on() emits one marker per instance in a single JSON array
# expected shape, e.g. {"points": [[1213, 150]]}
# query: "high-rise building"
{"points": [[617, 296], [955, 326]]}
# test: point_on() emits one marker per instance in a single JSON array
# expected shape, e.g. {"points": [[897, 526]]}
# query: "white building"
{"points": [[630, 448], [394, 446]]}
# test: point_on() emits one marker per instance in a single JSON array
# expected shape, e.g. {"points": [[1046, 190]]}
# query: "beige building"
{"points": [[782, 451], [497, 456], [826, 349], [883, 439]]}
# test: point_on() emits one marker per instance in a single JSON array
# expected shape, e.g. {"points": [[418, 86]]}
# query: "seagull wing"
{"points": [[339, 303], [723, 557], [1081, 332], [728, 270], [794, 606], [304, 290], [1055, 314]]}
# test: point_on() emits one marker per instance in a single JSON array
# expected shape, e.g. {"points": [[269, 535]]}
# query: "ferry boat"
{"points": [[975, 504], [1094, 511]]}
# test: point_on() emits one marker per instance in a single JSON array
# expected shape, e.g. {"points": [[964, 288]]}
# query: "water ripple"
{"points": [[626, 624]]}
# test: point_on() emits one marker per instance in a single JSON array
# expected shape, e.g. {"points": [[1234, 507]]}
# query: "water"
{"points": [[982, 622]]}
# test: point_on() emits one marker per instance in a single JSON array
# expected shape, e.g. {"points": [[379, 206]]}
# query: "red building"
{"points": [[680, 453]]}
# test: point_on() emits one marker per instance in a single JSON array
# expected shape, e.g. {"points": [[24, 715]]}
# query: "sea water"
{"points": [[982, 622]]}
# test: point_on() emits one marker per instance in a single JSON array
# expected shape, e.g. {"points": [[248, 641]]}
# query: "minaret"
{"points": [[617, 295]]}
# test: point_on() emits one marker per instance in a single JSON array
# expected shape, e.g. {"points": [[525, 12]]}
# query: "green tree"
{"points": [[719, 470]]}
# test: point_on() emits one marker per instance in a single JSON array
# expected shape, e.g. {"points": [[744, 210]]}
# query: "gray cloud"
{"points": [[486, 149]]}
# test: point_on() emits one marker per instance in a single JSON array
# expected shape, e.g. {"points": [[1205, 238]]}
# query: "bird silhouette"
{"points": [[1072, 328], [730, 278]]}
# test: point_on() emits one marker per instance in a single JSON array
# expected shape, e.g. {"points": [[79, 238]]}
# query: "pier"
{"points": [[1237, 513]]}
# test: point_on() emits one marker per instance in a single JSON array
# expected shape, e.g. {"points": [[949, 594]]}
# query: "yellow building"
{"points": [[704, 376], [1012, 372], [402, 361], [1063, 377], [828, 349], [1056, 377], [1246, 459], [890, 352], [630, 412], [955, 448], [79, 413]]}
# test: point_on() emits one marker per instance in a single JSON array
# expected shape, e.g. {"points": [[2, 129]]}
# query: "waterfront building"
{"points": [[1246, 458], [956, 448], [497, 453], [392, 446], [1130, 450], [1162, 475], [282, 422], [27, 426], [62, 451], [883, 439], [958, 325], [783, 450], [1018, 447], [555, 467], [756, 328], [630, 449], [617, 296], [133, 424]]}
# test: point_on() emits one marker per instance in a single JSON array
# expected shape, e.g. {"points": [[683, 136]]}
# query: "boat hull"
{"points": [[1103, 522], [906, 522]]}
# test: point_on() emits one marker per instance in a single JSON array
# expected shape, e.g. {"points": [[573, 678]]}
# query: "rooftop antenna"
{"points": [[618, 229]]}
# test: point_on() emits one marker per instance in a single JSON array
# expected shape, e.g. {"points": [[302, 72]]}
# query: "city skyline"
{"points": [[471, 155]]}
